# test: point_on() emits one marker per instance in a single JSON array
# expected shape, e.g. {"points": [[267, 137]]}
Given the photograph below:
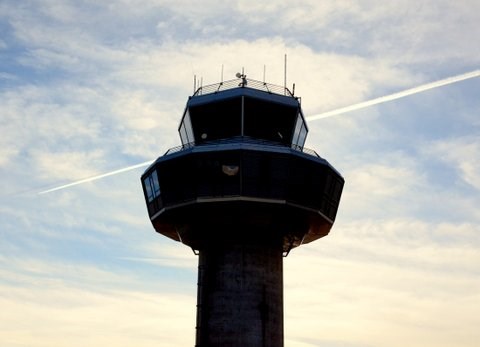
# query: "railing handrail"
{"points": [[241, 140], [243, 83]]}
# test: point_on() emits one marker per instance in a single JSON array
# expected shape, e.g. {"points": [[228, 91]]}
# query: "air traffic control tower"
{"points": [[242, 191]]}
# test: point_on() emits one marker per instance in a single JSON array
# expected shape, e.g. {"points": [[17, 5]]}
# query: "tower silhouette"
{"points": [[242, 191]]}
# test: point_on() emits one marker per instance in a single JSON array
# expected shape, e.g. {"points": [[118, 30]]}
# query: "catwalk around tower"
{"points": [[242, 191]]}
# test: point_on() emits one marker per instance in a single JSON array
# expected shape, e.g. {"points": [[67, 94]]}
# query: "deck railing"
{"points": [[241, 140], [244, 83]]}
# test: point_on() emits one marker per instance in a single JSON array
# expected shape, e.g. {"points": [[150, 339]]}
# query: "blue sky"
{"points": [[88, 87]]}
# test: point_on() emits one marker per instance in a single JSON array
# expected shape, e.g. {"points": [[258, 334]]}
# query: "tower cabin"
{"points": [[242, 161], [253, 110]]}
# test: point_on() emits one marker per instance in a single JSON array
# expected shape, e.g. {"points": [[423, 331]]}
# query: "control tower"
{"points": [[241, 191]]}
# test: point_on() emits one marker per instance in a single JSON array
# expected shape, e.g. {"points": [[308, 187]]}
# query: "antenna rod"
{"points": [[264, 72], [285, 76], [194, 83], [221, 80]]}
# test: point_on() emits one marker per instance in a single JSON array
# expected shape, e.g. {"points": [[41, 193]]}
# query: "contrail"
{"points": [[338, 111], [397, 95], [93, 178]]}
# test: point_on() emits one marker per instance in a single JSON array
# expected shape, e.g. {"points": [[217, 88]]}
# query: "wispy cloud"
{"points": [[49, 304], [461, 154], [386, 282]]}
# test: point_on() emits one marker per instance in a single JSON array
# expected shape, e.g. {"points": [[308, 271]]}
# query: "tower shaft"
{"points": [[240, 294]]}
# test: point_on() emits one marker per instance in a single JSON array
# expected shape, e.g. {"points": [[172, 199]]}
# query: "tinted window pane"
{"points": [[269, 121], [188, 127], [302, 136], [155, 184], [183, 134], [298, 126], [216, 120], [148, 188]]}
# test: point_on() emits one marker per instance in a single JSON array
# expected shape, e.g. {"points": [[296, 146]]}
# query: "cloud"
{"points": [[70, 165], [8, 76], [376, 281], [386, 185], [171, 254], [85, 311], [460, 154]]}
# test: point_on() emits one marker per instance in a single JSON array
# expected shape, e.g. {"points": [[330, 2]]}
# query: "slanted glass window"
{"points": [[300, 132], [216, 120], [188, 127], [148, 189], [185, 129], [183, 134], [269, 120], [303, 135], [155, 184], [296, 132], [152, 186]]}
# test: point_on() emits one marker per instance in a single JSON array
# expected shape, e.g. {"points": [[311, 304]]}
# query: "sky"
{"points": [[89, 87]]}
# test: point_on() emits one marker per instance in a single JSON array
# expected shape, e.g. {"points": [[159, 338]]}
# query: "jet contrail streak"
{"points": [[397, 95], [338, 111], [93, 178]]}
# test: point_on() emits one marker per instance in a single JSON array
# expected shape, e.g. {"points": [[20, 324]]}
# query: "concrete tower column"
{"points": [[240, 295]]}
